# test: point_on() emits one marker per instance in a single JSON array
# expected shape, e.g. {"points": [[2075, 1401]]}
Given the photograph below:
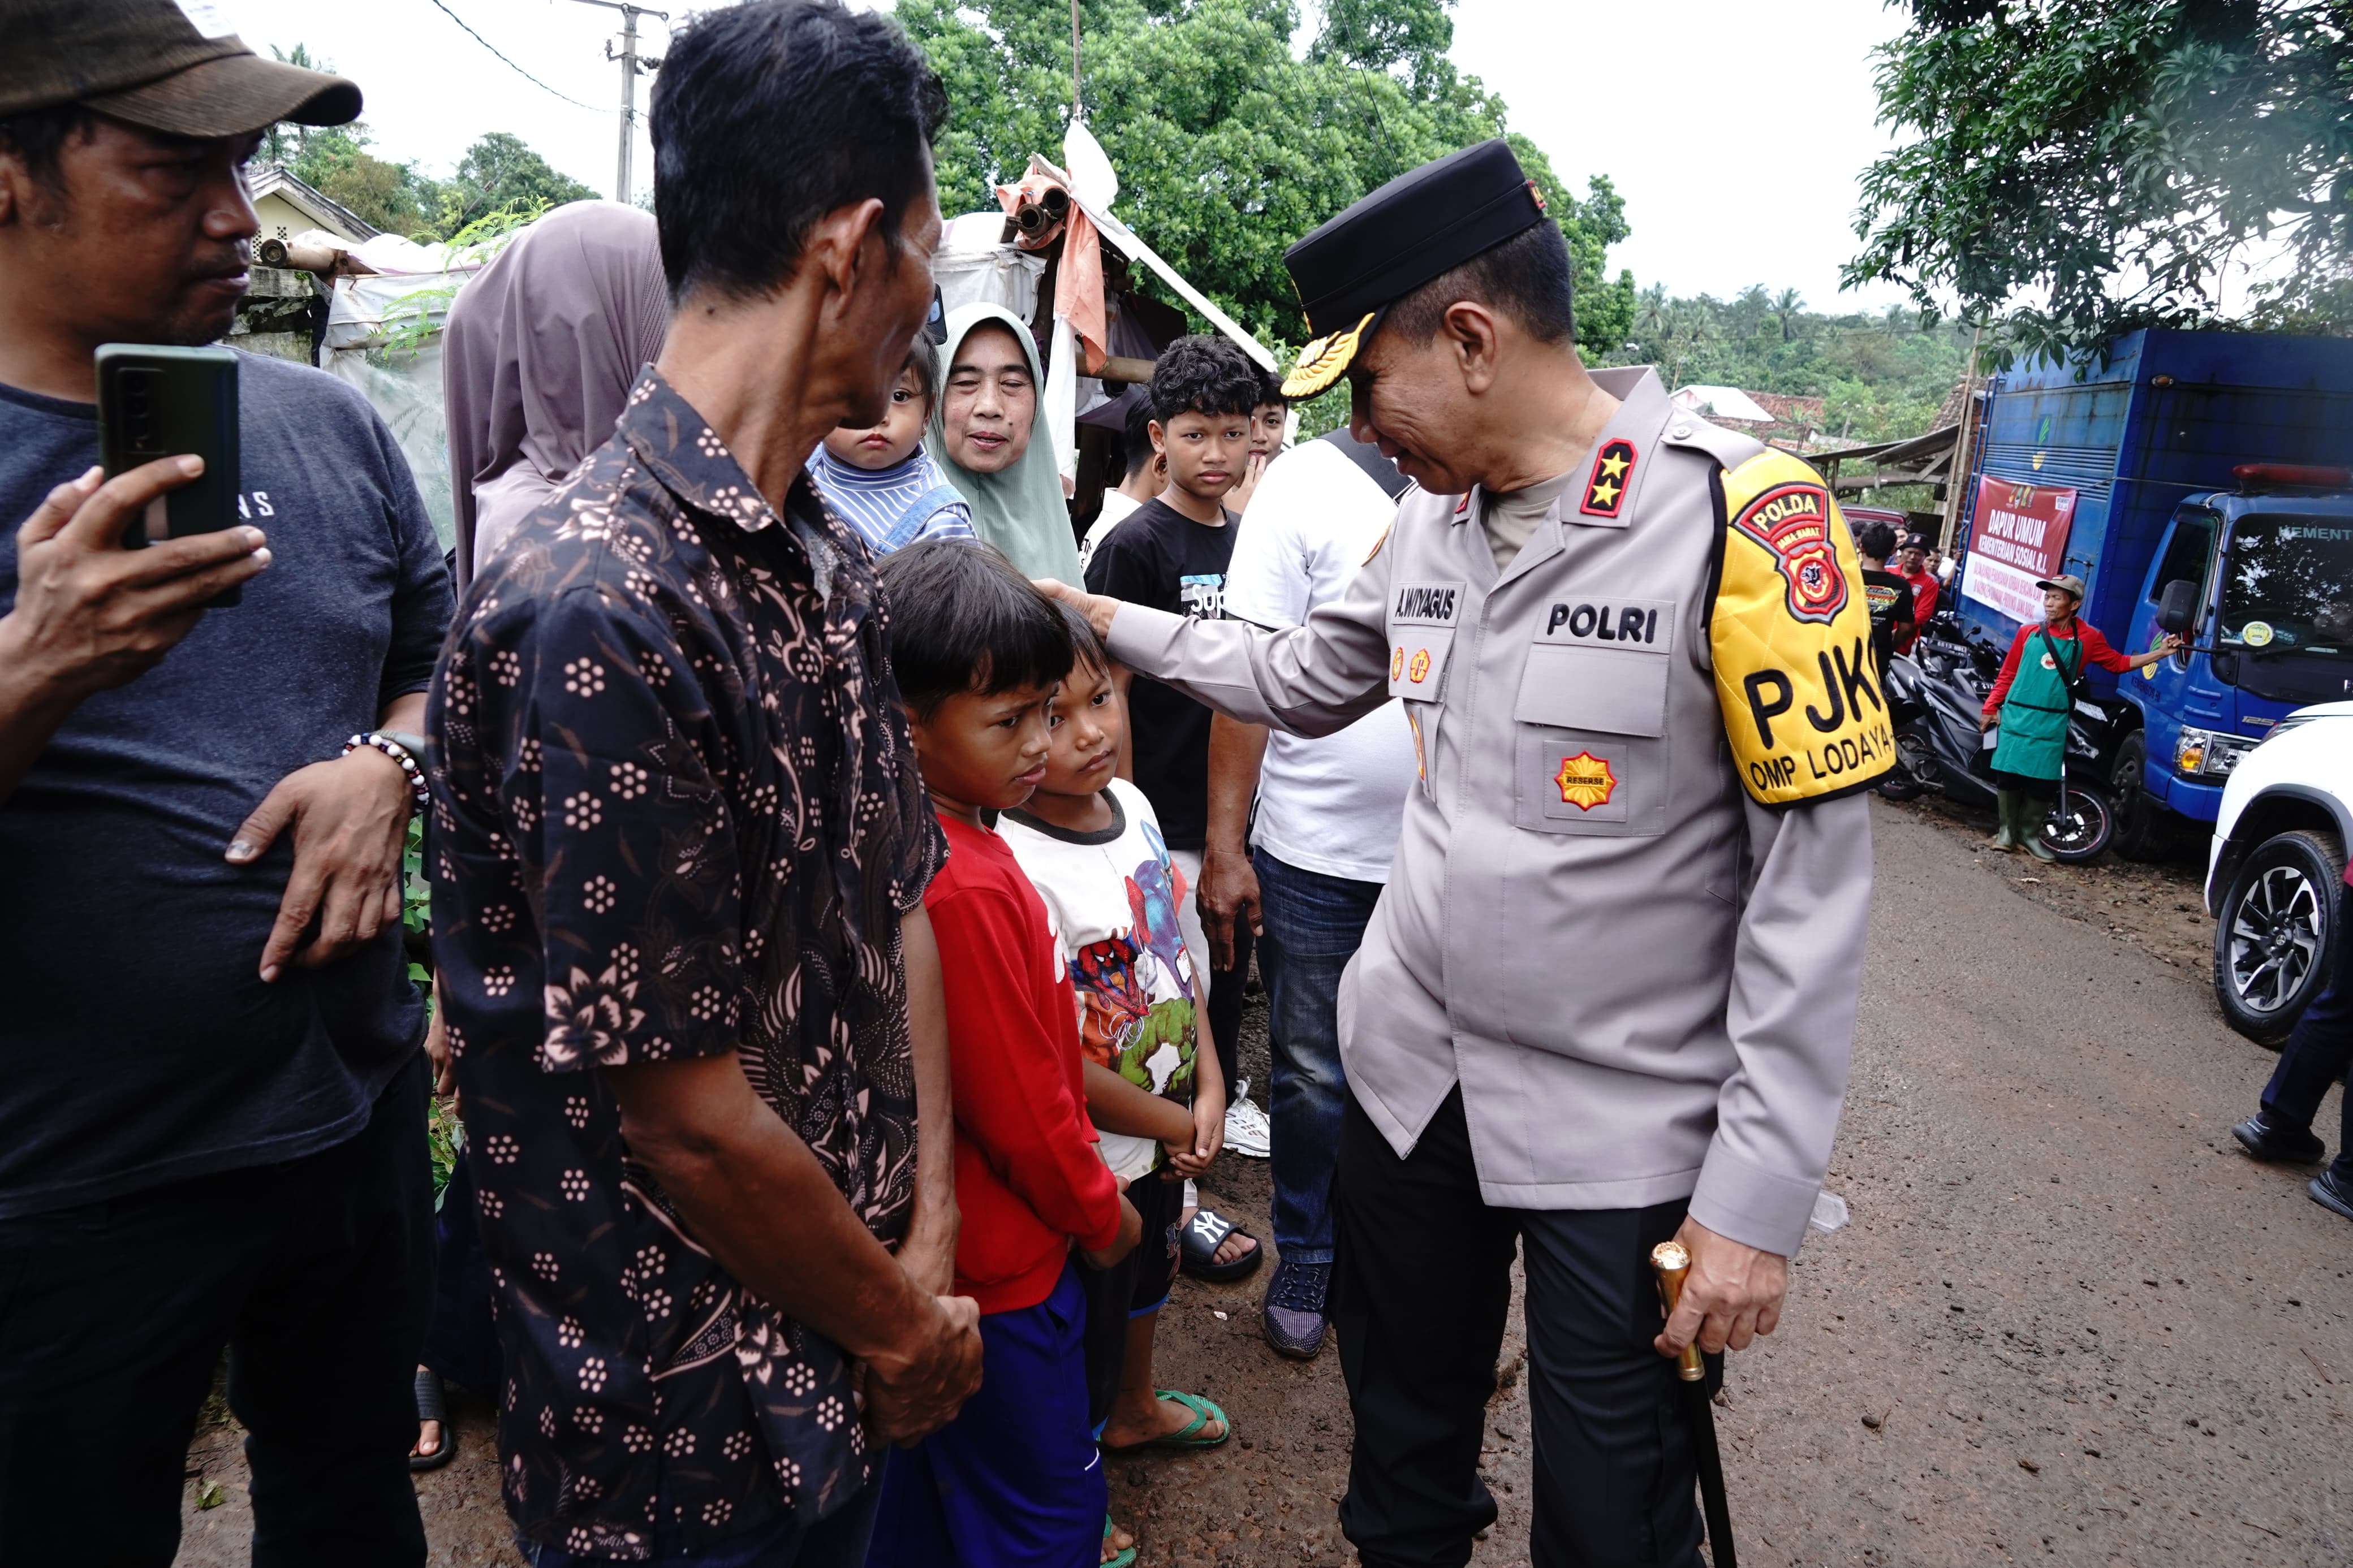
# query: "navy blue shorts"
{"points": [[1014, 1481]]}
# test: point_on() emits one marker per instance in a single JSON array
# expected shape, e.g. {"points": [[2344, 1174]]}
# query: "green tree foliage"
{"points": [[1881, 376], [501, 173], [1229, 146], [2075, 169], [334, 159]]}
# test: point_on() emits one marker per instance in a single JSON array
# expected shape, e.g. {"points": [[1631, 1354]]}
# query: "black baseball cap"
{"points": [[1432, 220], [175, 66]]}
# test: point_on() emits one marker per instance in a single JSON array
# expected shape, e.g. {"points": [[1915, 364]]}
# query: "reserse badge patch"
{"points": [[1584, 781]]}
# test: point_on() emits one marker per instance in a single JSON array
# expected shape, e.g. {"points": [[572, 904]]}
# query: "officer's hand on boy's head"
{"points": [[1098, 608], [1732, 1294]]}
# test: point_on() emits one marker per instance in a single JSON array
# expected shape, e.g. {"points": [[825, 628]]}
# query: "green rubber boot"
{"points": [[2005, 811], [2031, 818]]}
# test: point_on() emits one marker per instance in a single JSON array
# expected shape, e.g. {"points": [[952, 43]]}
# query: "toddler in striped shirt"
{"points": [[880, 481]]}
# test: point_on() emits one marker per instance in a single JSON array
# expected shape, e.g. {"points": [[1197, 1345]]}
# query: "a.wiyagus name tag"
{"points": [[1426, 604]]}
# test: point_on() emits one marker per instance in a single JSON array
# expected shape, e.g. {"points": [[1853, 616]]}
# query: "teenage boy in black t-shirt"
{"points": [[1889, 595], [1171, 554]]}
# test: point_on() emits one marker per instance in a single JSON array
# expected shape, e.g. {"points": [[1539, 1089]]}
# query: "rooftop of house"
{"points": [[324, 211]]}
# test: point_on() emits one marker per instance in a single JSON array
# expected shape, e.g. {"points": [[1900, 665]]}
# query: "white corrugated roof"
{"points": [[1724, 401]]}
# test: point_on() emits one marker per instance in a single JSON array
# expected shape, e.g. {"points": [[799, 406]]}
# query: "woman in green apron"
{"points": [[2030, 699]]}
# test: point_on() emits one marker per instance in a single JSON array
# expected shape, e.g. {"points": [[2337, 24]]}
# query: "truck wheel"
{"points": [[2276, 930], [2145, 830]]}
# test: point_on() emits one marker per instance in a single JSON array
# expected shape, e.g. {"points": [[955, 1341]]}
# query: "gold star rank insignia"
{"points": [[1613, 470], [1584, 781]]}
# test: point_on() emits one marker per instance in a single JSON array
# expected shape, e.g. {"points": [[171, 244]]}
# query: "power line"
{"points": [[516, 69]]}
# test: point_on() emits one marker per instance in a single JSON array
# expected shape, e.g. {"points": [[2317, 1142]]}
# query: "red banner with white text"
{"points": [[2018, 536]]}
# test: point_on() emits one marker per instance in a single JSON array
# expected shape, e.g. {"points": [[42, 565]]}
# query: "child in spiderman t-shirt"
{"points": [[1091, 846]]}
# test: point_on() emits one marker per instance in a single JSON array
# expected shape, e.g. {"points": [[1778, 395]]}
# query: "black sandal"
{"points": [[432, 1406], [1203, 1234]]}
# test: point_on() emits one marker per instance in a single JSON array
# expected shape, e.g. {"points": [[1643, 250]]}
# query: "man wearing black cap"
{"points": [[211, 1095], [1912, 566], [1607, 993]]}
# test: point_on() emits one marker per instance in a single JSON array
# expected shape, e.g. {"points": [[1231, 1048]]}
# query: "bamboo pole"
{"points": [[1956, 478]]}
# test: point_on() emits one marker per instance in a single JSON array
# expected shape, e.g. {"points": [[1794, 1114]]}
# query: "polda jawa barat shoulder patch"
{"points": [[1790, 637]]}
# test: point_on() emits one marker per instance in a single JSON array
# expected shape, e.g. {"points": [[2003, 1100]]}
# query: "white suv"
{"points": [[2274, 878]]}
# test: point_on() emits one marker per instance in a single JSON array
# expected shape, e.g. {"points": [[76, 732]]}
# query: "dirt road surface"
{"points": [[2069, 1323]]}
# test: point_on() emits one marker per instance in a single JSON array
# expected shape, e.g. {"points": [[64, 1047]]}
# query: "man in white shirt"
{"points": [[1312, 867]]}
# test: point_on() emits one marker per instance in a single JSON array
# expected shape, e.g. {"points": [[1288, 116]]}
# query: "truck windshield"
{"points": [[2288, 584]]}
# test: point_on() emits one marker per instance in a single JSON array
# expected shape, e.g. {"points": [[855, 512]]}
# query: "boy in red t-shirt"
{"points": [[977, 654]]}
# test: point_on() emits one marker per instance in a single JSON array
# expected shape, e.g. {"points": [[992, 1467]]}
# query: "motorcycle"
{"points": [[1935, 695]]}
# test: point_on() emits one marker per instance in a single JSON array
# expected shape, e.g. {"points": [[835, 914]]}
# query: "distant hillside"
{"points": [[1880, 377]]}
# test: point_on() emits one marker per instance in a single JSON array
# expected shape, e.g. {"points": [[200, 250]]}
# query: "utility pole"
{"points": [[631, 65], [1075, 113]]}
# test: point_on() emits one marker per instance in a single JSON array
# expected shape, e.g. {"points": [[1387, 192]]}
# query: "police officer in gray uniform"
{"points": [[1607, 996]]}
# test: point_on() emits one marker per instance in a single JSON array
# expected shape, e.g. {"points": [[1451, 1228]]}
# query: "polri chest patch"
{"points": [[1605, 620]]}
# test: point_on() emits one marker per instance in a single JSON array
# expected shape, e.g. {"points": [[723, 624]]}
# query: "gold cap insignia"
{"points": [[1321, 362]]}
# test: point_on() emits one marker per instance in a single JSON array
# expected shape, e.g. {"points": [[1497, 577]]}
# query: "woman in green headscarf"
{"points": [[988, 430]]}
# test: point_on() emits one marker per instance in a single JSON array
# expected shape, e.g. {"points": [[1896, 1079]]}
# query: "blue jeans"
{"points": [[836, 1541], [2316, 1056], [1313, 926]]}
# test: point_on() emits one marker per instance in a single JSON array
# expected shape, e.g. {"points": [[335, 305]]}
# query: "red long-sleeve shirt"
{"points": [[2096, 651], [1925, 589], [1027, 1178]]}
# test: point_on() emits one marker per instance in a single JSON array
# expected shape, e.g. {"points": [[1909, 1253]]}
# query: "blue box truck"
{"points": [[2212, 459]]}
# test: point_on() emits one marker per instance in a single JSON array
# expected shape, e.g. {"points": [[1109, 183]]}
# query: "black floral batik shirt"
{"points": [[675, 815]]}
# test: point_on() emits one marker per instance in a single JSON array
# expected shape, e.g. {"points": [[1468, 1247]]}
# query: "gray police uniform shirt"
{"points": [[1644, 983]]}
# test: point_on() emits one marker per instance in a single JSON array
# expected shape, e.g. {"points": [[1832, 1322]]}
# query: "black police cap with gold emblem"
{"points": [[1421, 224]]}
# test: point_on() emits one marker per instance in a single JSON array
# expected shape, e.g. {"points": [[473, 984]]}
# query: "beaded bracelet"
{"points": [[398, 754]]}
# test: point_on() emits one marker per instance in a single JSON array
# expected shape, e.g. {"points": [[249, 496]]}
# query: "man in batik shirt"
{"points": [[680, 847]]}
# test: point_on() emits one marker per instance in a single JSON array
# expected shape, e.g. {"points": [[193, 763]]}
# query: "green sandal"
{"points": [[1126, 1558], [1203, 1414]]}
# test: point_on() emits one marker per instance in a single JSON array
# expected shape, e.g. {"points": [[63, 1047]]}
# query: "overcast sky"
{"points": [[1736, 141]]}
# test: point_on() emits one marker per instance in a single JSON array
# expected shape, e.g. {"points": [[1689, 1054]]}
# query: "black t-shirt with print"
{"points": [[1162, 558], [1890, 598]]}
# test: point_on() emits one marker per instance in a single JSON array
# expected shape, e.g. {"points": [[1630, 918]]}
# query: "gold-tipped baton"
{"points": [[1672, 1262]]}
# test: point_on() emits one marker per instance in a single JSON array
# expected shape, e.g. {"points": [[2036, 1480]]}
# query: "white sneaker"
{"points": [[1247, 1130]]}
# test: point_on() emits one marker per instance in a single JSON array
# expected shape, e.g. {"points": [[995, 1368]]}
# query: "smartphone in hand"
{"points": [[158, 401]]}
